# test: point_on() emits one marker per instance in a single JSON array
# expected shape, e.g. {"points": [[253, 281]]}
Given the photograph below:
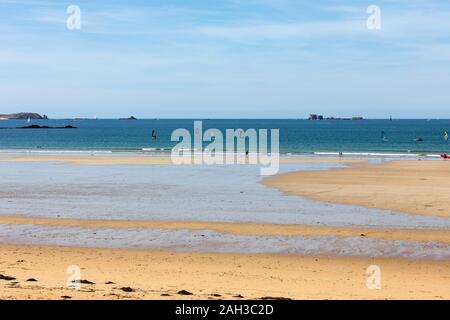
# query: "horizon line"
{"points": [[237, 118]]}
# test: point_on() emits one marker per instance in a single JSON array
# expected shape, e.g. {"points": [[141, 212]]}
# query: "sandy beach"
{"points": [[224, 150], [417, 187], [136, 252], [161, 275]]}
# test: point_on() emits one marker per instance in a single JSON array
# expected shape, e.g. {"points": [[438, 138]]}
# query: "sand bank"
{"points": [[417, 187], [250, 229], [97, 159], [160, 275], [118, 159]]}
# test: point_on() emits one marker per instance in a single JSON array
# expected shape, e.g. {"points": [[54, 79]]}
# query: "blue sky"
{"points": [[229, 58]]}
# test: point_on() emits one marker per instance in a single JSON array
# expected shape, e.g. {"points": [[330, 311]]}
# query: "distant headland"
{"points": [[22, 115]]}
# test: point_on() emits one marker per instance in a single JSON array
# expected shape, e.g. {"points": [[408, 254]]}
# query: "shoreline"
{"points": [[165, 152], [73, 157], [102, 158]]}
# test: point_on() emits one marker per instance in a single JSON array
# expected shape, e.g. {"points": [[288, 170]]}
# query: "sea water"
{"points": [[296, 136]]}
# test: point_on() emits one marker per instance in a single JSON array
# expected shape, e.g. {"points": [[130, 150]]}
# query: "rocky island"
{"points": [[316, 117], [35, 126]]}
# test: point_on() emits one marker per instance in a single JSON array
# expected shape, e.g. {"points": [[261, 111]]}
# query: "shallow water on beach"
{"points": [[166, 192], [208, 241], [191, 193]]}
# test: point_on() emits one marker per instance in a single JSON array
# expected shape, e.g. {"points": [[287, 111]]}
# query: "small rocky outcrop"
{"points": [[36, 126]]}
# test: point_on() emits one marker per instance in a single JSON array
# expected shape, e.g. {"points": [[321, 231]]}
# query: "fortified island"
{"points": [[320, 117]]}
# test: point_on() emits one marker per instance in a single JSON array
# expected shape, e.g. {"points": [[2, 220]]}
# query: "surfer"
{"points": [[418, 140], [445, 135], [383, 137], [154, 134]]}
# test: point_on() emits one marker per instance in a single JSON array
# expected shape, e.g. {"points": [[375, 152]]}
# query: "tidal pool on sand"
{"points": [[168, 192]]}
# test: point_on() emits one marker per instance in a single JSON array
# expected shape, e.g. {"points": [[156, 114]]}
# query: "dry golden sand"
{"points": [[154, 274], [417, 187], [251, 229]]}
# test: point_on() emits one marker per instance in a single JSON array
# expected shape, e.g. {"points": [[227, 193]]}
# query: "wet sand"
{"points": [[161, 275], [250, 229], [416, 187], [126, 159]]}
